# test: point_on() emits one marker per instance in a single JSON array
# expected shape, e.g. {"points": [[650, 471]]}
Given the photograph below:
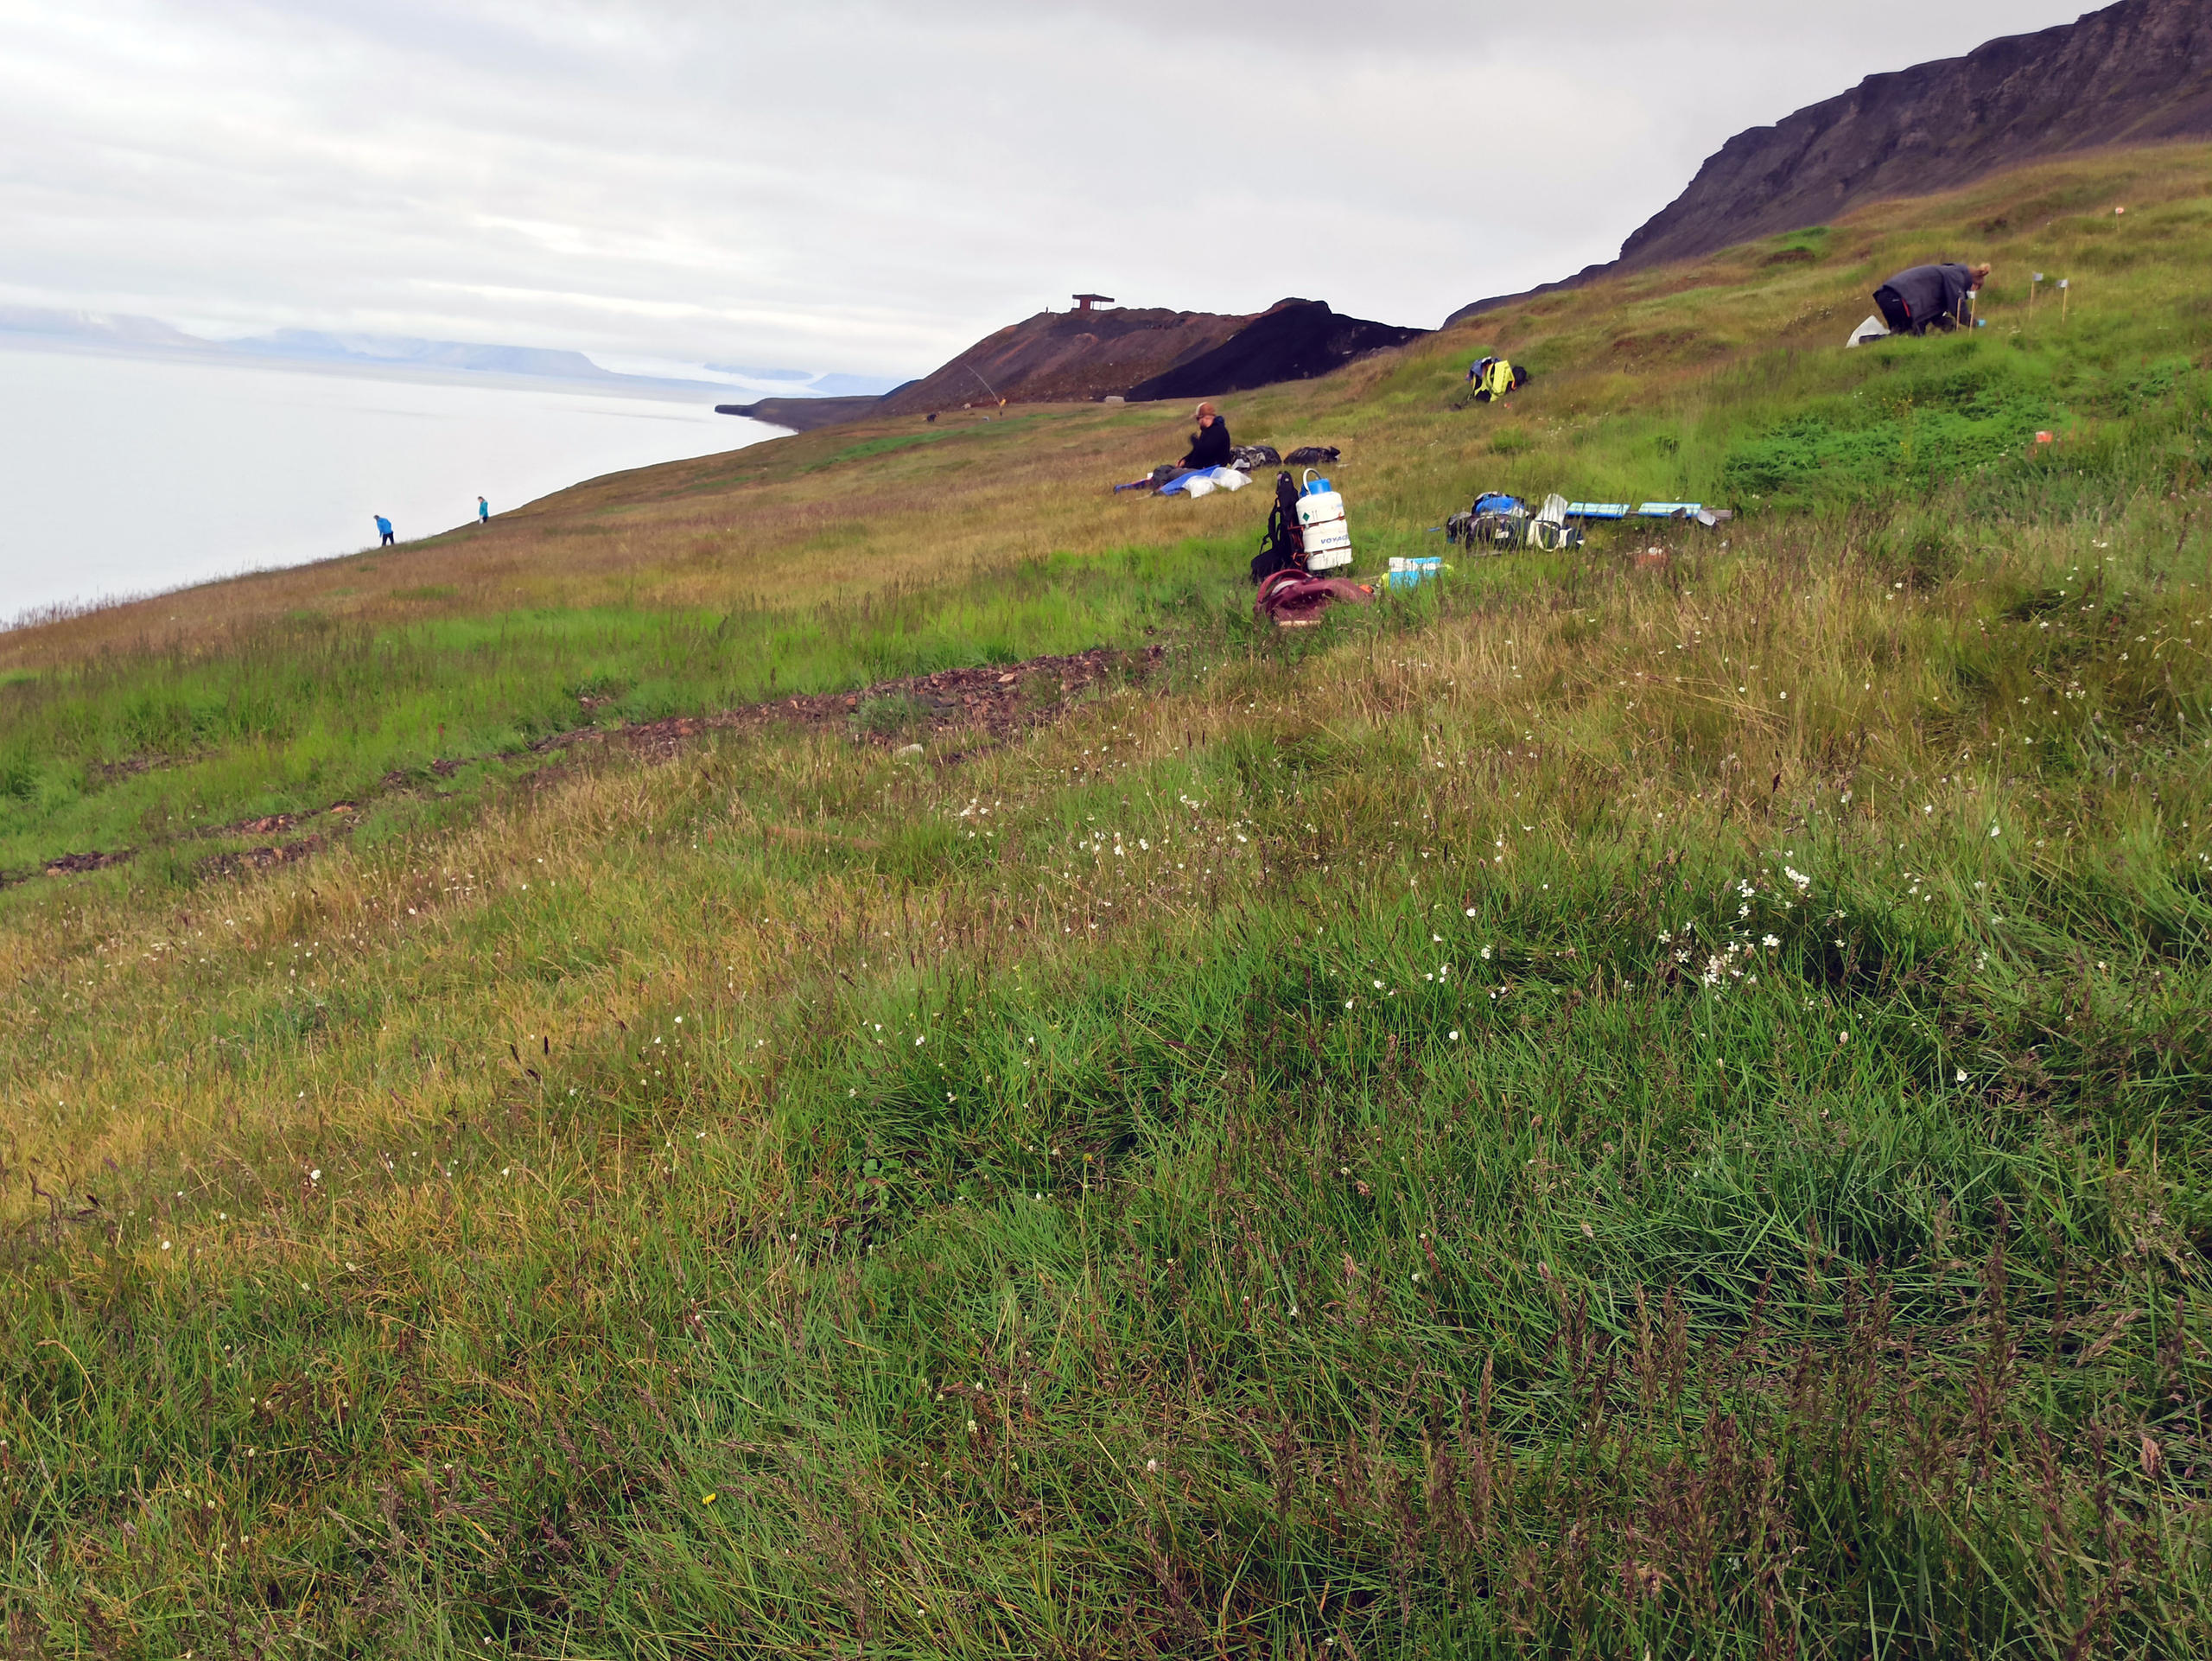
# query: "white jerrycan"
{"points": [[1322, 530]]}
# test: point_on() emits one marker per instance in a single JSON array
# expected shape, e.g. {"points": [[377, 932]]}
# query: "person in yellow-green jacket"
{"points": [[1493, 378]]}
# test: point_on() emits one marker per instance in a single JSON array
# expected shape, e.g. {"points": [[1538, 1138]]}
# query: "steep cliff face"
{"points": [[2132, 73]]}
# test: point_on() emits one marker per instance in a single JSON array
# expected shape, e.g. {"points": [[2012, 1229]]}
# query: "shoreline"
{"points": [[137, 475]]}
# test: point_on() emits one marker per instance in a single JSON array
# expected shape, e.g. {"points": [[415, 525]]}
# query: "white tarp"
{"points": [[1873, 329]]}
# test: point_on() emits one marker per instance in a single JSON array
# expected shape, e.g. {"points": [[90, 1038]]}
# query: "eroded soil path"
{"points": [[994, 704]]}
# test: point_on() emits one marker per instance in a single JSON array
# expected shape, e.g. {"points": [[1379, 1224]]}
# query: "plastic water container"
{"points": [[1322, 530]]}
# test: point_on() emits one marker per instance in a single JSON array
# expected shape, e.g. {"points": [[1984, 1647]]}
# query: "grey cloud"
{"points": [[866, 186]]}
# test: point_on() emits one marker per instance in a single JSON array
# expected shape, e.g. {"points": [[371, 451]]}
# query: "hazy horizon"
{"points": [[54, 329]]}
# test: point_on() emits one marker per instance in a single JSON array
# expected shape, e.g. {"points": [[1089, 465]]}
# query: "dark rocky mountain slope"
{"points": [[1059, 357], [1295, 341], [1136, 353], [1065, 356], [2132, 73]]}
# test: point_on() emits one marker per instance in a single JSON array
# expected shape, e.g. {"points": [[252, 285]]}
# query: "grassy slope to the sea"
{"points": [[1608, 1106]]}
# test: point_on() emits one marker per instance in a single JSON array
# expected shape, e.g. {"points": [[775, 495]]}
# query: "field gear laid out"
{"points": [[1873, 329], [1204, 481], [1497, 521], [1154, 479], [1306, 531], [1411, 573], [1247, 458], [1548, 529], [1187, 481], [1494, 521], [1296, 599], [1697, 510], [1929, 296], [1322, 532], [1282, 547], [1313, 455], [1493, 378]]}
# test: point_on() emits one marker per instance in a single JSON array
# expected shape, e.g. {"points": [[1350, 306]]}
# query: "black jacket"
{"points": [[1931, 293], [1209, 446]]}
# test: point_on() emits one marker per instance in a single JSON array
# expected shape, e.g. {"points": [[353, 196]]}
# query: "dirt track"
{"points": [[994, 702]]}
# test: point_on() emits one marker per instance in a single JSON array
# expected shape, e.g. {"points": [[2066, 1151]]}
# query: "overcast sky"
{"points": [[870, 188]]}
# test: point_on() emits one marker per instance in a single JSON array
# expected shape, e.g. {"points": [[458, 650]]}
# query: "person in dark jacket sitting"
{"points": [[1929, 295], [1210, 445]]}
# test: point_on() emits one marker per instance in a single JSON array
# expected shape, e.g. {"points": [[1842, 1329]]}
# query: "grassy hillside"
{"points": [[1616, 1105]]}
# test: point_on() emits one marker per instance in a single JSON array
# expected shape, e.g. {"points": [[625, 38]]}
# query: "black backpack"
{"points": [[1283, 547]]}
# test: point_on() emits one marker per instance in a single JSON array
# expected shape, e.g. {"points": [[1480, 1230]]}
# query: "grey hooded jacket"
{"points": [[1929, 295]]}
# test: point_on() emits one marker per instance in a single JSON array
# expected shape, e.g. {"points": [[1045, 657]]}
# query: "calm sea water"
{"points": [[121, 476]]}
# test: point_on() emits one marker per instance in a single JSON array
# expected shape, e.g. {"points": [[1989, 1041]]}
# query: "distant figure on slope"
{"points": [[483, 512], [384, 529], [1210, 445], [1493, 378], [1913, 302]]}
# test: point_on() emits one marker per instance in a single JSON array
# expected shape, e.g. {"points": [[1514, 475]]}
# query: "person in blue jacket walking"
{"points": [[384, 529], [483, 512]]}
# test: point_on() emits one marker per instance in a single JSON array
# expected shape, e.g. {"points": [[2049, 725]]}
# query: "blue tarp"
{"points": [[1177, 485]]}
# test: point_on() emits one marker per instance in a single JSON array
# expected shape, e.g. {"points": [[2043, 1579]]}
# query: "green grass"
{"points": [[1594, 1109], [143, 749]]}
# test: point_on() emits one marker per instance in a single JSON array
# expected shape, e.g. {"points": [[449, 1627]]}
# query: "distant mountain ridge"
{"points": [[96, 327], [122, 331], [2132, 73], [310, 345]]}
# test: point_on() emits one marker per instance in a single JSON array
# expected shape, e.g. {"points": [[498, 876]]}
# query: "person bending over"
{"points": [[1928, 296], [383, 531], [1210, 445]]}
